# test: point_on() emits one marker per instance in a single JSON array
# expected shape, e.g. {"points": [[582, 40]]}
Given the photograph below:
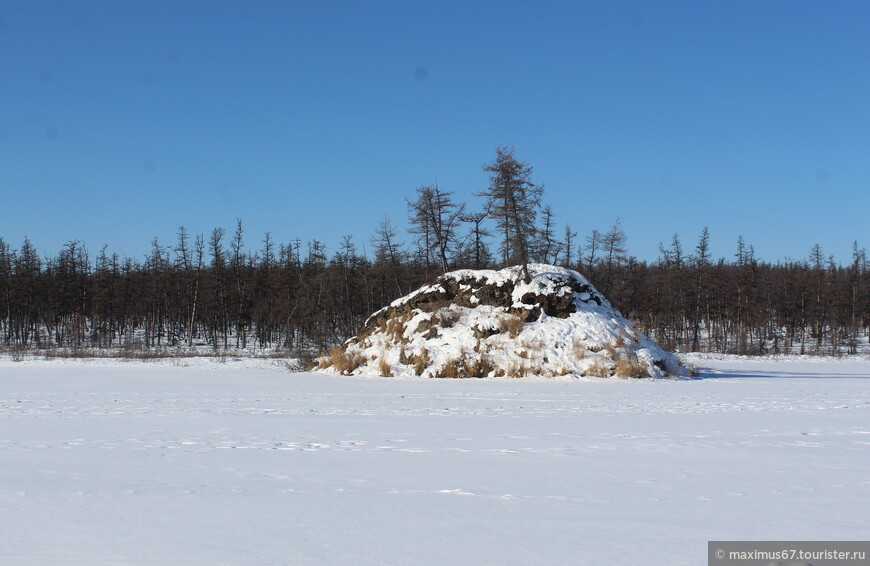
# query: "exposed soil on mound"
{"points": [[491, 323], [471, 289]]}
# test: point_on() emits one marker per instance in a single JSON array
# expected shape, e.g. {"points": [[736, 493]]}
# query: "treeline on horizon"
{"points": [[287, 297], [298, 300]]}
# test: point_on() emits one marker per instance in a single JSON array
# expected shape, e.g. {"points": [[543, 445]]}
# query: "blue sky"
{"points": [[121, 121]]}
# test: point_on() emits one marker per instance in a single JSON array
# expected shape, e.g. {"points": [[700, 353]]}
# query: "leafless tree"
{"points": [[479, 254], [513, 200], [434, 216], [568, 245], [613, 245]]}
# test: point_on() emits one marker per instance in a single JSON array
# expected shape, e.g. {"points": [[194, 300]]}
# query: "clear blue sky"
{"points": [[121, 121]]}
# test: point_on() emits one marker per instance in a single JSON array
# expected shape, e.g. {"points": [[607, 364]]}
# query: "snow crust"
{"points": [[150, 463], [486, 323]]}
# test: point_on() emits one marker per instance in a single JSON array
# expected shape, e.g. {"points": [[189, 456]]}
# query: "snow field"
{"points": [[143, 463]]}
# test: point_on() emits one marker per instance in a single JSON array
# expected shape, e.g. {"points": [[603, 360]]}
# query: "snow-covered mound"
{"points": [[484, 323]]}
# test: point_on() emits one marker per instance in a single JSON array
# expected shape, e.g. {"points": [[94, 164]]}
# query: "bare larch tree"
{"points": [[435, 217], [514, 201]]}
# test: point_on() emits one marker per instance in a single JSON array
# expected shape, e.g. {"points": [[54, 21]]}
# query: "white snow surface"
{"points": [[589, 341], [244, 463]]}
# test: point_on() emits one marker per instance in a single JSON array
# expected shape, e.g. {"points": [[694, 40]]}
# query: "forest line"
{"points": [[216, 291], [282, 297]]}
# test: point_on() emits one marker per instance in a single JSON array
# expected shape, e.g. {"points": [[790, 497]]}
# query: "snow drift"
{"points": [[485, 323]]}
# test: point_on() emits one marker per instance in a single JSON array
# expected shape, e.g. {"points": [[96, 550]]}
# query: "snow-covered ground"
{"points": [[245, 463]]}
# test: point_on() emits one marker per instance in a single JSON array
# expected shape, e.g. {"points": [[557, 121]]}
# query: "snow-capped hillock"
{"points": [[485, 323]]}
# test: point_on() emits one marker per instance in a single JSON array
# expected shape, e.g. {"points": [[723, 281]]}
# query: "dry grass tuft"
{"points": [[469, 366], [629, 368], [404, 359], [511, 325], [479, 366], [343, 361], [384, 367], [453, 369], [597, 369], [578, 350], [610, 351], [448, 317], [632, 327], [421, 362], [395, 328], [518, 370], [620, 340]]}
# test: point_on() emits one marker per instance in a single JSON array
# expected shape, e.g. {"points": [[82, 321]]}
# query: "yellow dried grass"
{"points": [[511, 325], [597, 369], [344, 361], [626, 368]]}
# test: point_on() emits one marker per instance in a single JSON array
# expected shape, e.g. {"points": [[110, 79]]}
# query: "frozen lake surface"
{"points": [[240, 463]]}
